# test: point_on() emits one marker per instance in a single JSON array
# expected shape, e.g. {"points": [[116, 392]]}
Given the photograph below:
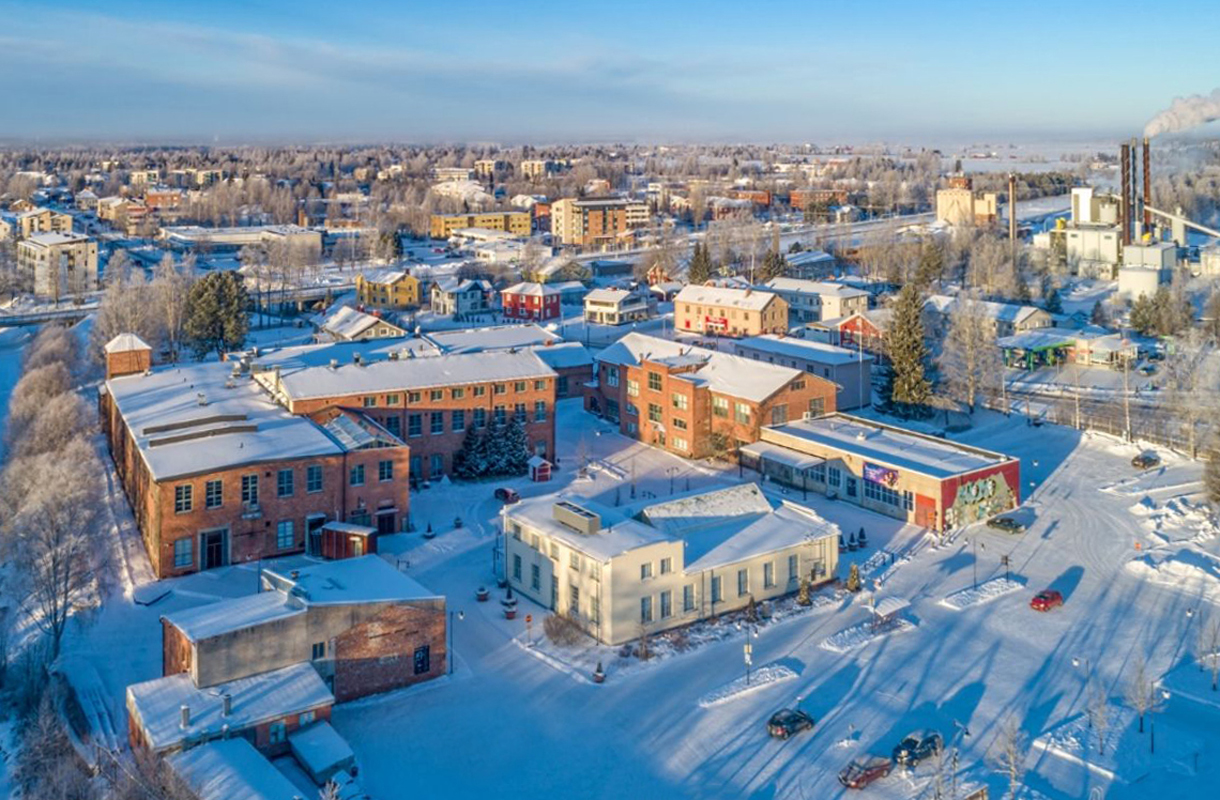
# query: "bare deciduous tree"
{"points": [[1099, 715], [1008, 755], [1207, 648], [1141, 693], [969, 359]]}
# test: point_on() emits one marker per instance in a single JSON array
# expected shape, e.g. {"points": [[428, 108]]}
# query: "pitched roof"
{"points": [[735, 376], [125, 343], [1006, 312], [532, 289], [802, 286], [231, 769], [746, 299]]}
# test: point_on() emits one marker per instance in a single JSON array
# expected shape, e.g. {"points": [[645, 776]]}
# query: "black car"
{"points": [[917, 746], [786, 722], [1006, 524], [1146, 460]]}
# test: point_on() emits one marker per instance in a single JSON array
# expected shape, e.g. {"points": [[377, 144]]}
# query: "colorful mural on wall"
{"points": [[979, 499]]}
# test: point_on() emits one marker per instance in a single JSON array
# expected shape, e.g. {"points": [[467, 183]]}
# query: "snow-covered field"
{"points": [[512, 722]]}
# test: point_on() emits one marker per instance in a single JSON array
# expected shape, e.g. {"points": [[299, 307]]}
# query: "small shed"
{"points": [[540, 469], [886, 610], [347, 540], [321, 751]]}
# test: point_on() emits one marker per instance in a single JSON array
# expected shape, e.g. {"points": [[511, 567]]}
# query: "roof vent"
{"points": [[186, 716], [201, 398], [226, 704]]}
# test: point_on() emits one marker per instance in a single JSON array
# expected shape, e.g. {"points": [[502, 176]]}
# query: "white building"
{"points": [[59, 264], [618, 306], [346, 324], [811, 301], [621, 571]]}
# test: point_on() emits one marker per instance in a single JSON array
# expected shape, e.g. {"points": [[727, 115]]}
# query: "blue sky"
{"points": [[596, 71]]}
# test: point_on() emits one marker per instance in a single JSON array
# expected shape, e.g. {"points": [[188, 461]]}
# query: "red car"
{"points": [[1045, 600], [507, 495], [863, 770]]}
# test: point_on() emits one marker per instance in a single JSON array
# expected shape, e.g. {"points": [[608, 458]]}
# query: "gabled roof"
{"points": [[125, 343], [533, 289], [349, 323], [1005, 312], [746, 299], [384, 276], [801, 286]]}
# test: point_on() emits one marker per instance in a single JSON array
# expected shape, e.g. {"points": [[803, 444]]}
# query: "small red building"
{"points": [[533, 301], [347, 540]]}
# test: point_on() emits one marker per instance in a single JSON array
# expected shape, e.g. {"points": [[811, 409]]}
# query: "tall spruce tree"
{"points": [[907, 388], [216, 319], [774, 265], [515, 448], [700, 271], [466, 460]]}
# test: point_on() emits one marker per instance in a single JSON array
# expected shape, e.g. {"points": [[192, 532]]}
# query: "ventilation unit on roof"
{"points": [[201, 398]]}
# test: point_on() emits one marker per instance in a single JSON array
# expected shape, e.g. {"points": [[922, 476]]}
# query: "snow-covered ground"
{"points": [[516, 723]]}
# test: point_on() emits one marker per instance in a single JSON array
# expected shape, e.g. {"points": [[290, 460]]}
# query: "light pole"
{"points": [[974, 540], [747, 649], [449, 653], [1077, 661], [1152, 721]]}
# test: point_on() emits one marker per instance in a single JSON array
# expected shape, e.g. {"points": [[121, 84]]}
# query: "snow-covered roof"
{"points": [[235, 614], [231, 769], [786, 526], [781, 455], [496, 337], [255, 699], [320, 749], [528, 289], [887, 446], [1006, 312], [366, 579], [735, 376], [406, 374], [799, 286], [236, 424], [1040, 337], [52, 238], [805, 257], [346, 322], [618, 533], [804, 349], [724, 297], [564, 355], [126, 342], [455, 285], [383, 277], [320, 355], [615, 296]]}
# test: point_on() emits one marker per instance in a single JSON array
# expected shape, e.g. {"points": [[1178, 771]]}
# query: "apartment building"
{"points": [[812, 301], [724, 311], [428, 401], [217, 475], [596, 223], [534, 169], [58, 264], [518, 223], [24, 224], [446, 174], [388, 288], [696, 402], [626, 571], [488, 167]]}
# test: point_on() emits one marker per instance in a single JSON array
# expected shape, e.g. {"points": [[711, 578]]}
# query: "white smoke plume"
{"points": [[1185, 113]]}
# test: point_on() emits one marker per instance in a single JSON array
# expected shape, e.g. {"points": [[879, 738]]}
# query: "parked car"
{"points": [[1005, 524], [917, 746], [1146, 460], [1148, 369], [1045, 600], [787, 722], [863, 770], [507, 495]]}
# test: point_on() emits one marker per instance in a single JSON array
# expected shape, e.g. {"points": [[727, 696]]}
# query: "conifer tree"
{"points": [[1054, 303], [216, 318], [516, 452], [907, 389], [700, 271]]}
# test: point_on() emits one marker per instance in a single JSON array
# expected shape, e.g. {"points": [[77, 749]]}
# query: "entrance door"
{"points": [[386, 522], [851, 487], [356, 545], [925, 511], [313, 535], [214, 548]]}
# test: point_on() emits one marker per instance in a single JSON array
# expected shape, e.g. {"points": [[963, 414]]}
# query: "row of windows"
{"points": [[884, 494], [285, 486], [285, 539], [455, 393], [457, 419]]}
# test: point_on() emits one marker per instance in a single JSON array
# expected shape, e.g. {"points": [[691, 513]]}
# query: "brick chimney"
{"points": [[127, 354]]}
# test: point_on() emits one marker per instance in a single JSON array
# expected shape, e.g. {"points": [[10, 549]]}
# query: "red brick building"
{"points": [[216, 475], [534, 301], [312, 637], [696, 402]]}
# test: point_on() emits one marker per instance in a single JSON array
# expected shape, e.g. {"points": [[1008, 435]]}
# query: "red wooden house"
{"points": [[533, 301]]}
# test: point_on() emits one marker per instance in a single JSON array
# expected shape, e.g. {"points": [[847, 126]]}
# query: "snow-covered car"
{"points": [[1146, 460], [1045, 600], [787, 722], [507, 495], [917, 746], [863, 770], [1005, 524]]}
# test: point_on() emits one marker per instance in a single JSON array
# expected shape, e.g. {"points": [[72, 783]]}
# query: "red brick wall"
{"points": [[262, 733], [379, 655], [175, 650], [128, 362]]}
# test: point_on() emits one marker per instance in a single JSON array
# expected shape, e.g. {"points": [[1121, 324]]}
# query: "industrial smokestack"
{"points": [[1012, 207], [1125, 211], [1147, 187]]}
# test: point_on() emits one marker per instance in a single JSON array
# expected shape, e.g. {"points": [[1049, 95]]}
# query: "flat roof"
{"points": [[366, 579], [805, 349], [231, 769], [225, 616], [240, 424], [802, 286], [254, 699], [494, 337], [886, 445], [618, 534]]}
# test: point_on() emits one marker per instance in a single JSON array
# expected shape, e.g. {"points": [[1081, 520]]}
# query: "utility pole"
{"points": [[1127, 397]]}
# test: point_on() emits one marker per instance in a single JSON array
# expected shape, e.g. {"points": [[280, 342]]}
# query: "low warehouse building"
{"points": [[921, 479]]}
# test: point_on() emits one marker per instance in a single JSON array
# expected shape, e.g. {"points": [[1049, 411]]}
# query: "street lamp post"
{"points": [[747, 650], [1152, 723], [1077, 661]]}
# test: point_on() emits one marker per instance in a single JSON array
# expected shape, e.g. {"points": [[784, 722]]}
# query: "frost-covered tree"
{"points": [[1008, 755], [969, 359], [171, 289], [907, 389], [216, 318], [700, 270]]}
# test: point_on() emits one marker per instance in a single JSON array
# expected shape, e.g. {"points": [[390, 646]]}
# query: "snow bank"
{"points": [[985, 593], [1177, 520], [1126, 755], [1185, 569], [858, 636], [759, 678]]}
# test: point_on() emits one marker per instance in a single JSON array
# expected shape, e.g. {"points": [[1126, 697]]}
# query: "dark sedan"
{"points": [[917, 746], [788, 722]]}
